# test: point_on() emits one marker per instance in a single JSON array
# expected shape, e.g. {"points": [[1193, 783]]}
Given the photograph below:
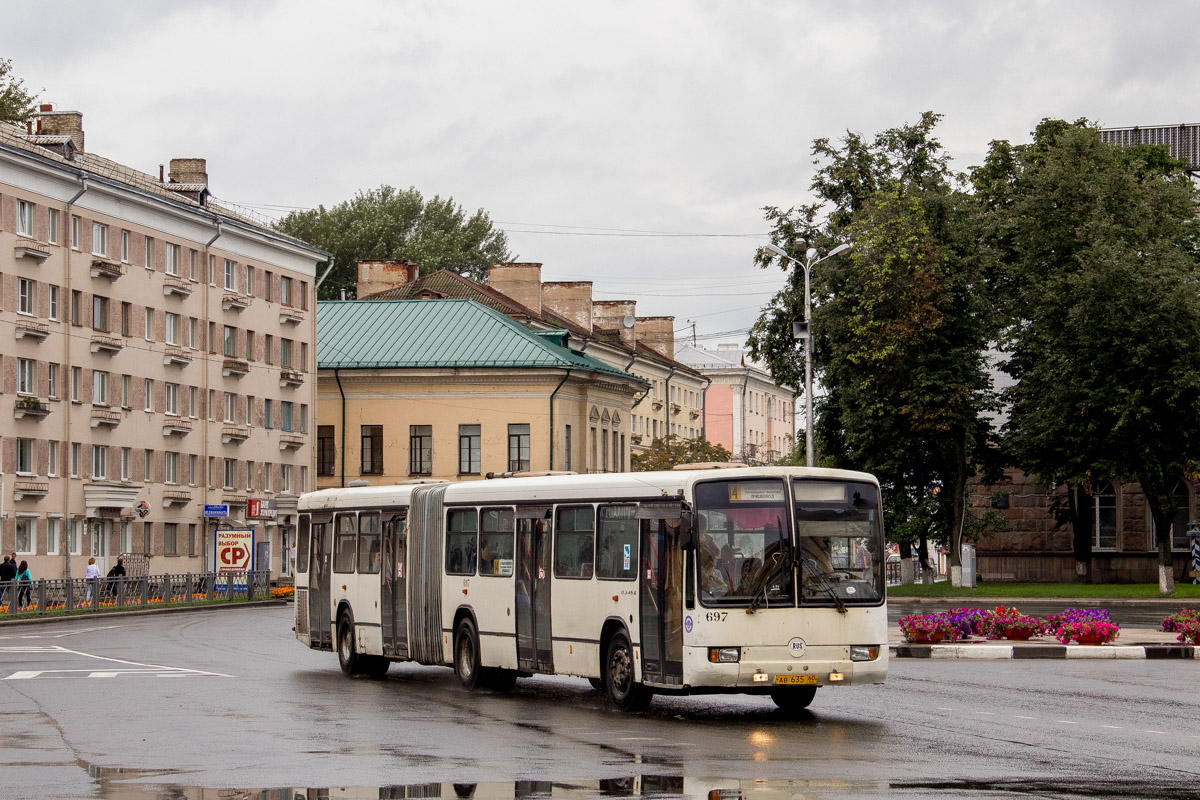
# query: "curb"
{"points": [[1043, 651], [140, 612]]}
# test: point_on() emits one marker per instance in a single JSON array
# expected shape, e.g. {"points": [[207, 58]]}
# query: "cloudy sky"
{"points": [[632, 144]]}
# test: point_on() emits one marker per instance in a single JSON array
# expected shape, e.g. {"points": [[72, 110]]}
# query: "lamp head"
{"points": [[811, 255]]}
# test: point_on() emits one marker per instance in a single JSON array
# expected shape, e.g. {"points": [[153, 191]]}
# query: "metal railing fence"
{"points": [[79, 595]]}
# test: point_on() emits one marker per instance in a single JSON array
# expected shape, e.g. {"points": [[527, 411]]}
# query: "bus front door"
{"points": [[534, 647], [661, 602], [393, 599], [320, 630]]}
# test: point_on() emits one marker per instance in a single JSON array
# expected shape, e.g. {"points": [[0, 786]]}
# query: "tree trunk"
{"points": [[1162, 513], [906, 564], [1080, 505], [958, 513], [928, 573]]}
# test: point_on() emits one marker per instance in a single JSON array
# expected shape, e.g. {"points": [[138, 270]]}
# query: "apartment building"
{"points": [[451, 389], [159, 361], [747, 412], [608, 330]]}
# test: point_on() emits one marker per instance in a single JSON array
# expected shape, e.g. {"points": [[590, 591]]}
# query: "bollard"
{"points": [[1193, 533]]}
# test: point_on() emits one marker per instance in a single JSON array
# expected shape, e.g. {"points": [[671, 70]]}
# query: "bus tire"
{"points": [[347, 647], [596, 683], [502, 680], [466, 655], [625, 693], [374, 666], [794, 699]]}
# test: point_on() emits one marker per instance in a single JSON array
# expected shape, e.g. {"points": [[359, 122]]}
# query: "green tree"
{"points": [[16, 103], [387, 223], [902, 323], [1101, 249], [667, 451]]}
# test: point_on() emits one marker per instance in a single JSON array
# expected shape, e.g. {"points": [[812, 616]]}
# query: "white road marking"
{"points": [[1018, 716], [987, 713], [85, 630], [641, 738], [1067, 722], [1161, 733], [1114, 727], [130, 668]]}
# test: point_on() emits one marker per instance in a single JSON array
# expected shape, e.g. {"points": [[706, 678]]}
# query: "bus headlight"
{"points": [[724, 655], [864, 652]]}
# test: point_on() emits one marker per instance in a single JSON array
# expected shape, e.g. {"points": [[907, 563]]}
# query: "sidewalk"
{"points": [[1132, 643]]}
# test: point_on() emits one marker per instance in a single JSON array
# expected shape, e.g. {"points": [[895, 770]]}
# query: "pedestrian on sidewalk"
{"points": [[24, 585], [8, 572], [118, 571], [91, 575]]}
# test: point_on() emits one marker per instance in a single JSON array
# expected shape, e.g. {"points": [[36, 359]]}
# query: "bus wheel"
{"points": [[794, 699], [466, 655], [596, 683], [347, 650], [502, 680], [375, 666], [623, 691]]}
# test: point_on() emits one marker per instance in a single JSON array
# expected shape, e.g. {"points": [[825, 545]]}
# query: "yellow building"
{"points": [[452, 389]]}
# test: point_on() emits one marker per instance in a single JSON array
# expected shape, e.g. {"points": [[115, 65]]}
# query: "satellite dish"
{"points": [[629, 321]]}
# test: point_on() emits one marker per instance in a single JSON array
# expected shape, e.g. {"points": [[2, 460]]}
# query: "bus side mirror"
{"points": [[686, 540]]}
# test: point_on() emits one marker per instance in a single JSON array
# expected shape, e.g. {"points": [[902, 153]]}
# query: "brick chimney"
{"points": [[188, 170], [571, 300], [521, 282], [658, 333], [611, 314], [381, 275], [61, 123]]}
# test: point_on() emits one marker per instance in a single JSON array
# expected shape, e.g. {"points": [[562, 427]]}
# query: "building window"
{"points": [[267, 284], [212, 270], [267, 413], [249, 476], [170, 467], [99, 388], [192, 333], [74, 232], [147, 465], [149, 252], [268, 347], [420, 449], [250, 411], [172, 265], [99, 461], [124, 247], [193, 402], [285, 415], [76, 381], [26, 542], [230, 341], [285, 353], [327, 451], [372, 449], [26, 382], [230, 275], [53, 302], [249, 345], [285, 478], [99, 239], [99, 313], [468, 449], [172, 328], [126, 467], [230, 473], [76, 301], [148, 537], [75, 459], [285, 290], [52, 462], [518, 448], [25, 456], [229, 403], [192, 257], [172, 398], [126, 391], [192, 470], [26, 296], [148, 390], [1182, 499], [266, 476], [149, 336], [249, 280], [567, 448], [303, 418], [53, 232], [52, 380], [1104, 524], [170, 538], [53, 531]]}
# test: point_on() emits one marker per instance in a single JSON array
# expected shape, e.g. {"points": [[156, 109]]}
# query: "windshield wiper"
{"points": [[810, 564], [768, 575]]}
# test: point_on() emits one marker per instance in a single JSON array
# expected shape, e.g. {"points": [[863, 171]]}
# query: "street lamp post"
{"points": [[804, 331]]}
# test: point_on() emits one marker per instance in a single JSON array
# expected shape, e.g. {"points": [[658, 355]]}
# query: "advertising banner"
{"points": [[233, 551]]}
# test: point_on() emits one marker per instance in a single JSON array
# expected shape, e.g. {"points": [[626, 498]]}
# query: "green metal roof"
{"points": [[394, 334]]}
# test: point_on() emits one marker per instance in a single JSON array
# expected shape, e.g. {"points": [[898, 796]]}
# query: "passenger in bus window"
{"points": [[713, 583]]}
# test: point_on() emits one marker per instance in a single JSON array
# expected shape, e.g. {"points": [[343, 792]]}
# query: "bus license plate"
{"points": [[792, 680]]}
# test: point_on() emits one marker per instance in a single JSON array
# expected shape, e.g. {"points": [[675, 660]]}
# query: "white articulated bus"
{"points": [[763, 580]]}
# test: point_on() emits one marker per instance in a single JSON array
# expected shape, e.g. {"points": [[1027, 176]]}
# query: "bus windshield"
{"points": [[839, 538], [743, 543]]}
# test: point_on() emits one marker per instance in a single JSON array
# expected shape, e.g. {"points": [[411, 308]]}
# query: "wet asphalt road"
{"points": [[174, 705]]}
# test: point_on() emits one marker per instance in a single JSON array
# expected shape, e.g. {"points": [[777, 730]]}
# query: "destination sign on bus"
{"points": [[756, 492]]}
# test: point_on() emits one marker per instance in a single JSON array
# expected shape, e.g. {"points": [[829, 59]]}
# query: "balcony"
{"points": [[35, 330], [235, 302], [176, 498], [28, 248], [288, 442], [177, 287], [29, 406], [235, 500], [177, 357], [234, 435], [106, 269], [657, 405], [291, 377], [235, 368], [676, 408], [105, 416], [694, 414], [176, 427], [35, 490], [106, 344], [291, 316]]}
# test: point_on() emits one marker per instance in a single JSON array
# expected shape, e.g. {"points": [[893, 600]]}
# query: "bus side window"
{"points": [[617, 543], [302, 543], [573, 539], [344, 541], [460, 541], [496, 542], [368, 543]]}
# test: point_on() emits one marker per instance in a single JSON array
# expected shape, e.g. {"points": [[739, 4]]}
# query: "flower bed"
{"points": [[281, 592], [1185, 622], [1092, 625], [1088, 631], [1009, 623]]}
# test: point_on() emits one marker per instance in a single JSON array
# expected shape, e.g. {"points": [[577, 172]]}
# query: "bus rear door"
{"points": [[661, 594], [535, 649], [393, 600], [320, 628]]}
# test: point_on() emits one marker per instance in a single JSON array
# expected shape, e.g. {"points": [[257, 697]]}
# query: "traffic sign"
{"points": [[219, 511], [142, 509]]}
